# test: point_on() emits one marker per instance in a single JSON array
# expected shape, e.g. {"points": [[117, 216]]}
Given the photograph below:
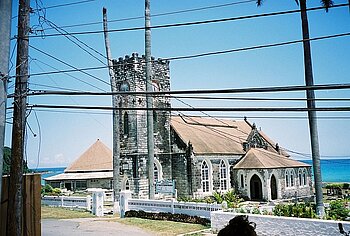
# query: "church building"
{"points": [[201, 154]]}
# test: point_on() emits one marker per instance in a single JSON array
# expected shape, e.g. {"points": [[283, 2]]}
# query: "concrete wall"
{"points": [[286, 226]]}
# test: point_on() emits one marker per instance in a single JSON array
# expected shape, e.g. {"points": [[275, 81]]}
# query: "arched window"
{"points": [[223, 176], [127, 185], [292, 177], [156, 173], [155, 86], [242, 181], [124, 87], [126, 124], [302, 177], [205, 176], [287, 178]]}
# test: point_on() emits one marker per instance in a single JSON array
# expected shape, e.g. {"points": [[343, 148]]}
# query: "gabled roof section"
{"points": [[98, 157], [210, 136], [258, 158]]}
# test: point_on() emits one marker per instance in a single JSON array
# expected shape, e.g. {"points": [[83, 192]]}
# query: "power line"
{"points": [[255, 47], [221, 109], [68, 89], [159, 14], [191, 23], [200, 55], [65, 5], [216, 116], [260, 99], [75, 68], [204, 91], [66, 34]]}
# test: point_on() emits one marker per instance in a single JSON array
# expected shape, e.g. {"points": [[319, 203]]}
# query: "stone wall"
{"points": [[286, 226], [130, 76]]}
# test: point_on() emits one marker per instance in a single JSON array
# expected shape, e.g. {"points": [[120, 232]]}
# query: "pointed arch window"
{"points": [[156, 173], [127, 185], [223, 176], [287, 178], [205, 176], [126, 124], [302, 177], [292, 177]]}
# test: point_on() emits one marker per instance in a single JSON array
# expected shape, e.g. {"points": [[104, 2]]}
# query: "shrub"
{"points": [[301, 210], [168, 216], [56, 191], [337, 210], [46, 189]]}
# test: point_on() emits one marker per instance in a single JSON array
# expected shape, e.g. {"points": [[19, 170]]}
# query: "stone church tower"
{"points": [[130, 76]]}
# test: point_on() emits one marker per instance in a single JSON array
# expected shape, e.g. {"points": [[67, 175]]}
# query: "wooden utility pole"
{"points": [[15, 204], [149, 100], [310, 95], [116, 135], [5, 29]]}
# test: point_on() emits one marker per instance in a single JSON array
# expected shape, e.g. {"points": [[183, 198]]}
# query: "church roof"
{"points": [[212, 136], [259, 158], [97, 157]]}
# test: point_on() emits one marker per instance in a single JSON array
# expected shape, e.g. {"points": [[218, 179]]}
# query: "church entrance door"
{"points": [[255, 188], [273, 186]]}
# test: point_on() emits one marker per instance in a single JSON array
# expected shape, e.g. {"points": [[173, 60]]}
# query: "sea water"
{"points": [[334, 170]]}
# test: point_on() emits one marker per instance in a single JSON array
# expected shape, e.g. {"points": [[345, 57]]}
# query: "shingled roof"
{"points": [[98, 157], [259, 158], [212, 136]]}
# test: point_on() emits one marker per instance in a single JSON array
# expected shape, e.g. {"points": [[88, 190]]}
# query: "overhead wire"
{"points": [[160, 14], [75, 68], [274, 89], [201, 54], [192, 23]]}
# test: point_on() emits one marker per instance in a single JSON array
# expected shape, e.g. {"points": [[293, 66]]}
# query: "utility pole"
{"points": [[310, 95], [15, 204], [149, 101], [5, 29], [116, 135]]}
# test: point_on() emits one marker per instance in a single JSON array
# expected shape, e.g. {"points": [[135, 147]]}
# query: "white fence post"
{"points": [[62, 201], [172, 206], [97, 203], [125, 195], [88, 202]]}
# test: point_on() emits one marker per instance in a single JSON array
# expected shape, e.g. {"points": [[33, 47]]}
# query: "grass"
{"points": [[162, 227], [63, 213], [154, 226]]}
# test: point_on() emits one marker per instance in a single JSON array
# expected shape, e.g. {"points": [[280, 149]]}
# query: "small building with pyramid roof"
{"points": [[92, 169]]}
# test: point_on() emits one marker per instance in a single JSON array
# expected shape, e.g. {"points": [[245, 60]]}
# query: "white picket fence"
{"points": [[128, 203], [67, 201], [188, 208], [171, 206]]}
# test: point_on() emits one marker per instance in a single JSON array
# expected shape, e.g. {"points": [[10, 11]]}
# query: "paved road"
{"points": [[88, 226]]}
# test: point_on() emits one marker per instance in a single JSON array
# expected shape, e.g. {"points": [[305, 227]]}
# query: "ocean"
{"points": [[47, 172], [333, 170]]}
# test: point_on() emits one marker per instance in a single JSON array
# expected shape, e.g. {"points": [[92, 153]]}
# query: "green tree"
{"points": [[7, 162], [310, 95]]}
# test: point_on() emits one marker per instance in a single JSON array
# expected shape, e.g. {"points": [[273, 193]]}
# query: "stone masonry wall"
{"points": [[130, 76], [286, 226]]}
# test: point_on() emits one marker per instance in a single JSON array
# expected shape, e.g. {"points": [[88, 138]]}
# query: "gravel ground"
{"points": [[88, 226]]}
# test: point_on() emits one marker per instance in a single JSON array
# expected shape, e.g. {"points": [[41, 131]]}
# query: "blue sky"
{"points": [[61, 135]]}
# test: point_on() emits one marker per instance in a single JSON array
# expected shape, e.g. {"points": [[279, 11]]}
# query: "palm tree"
{"points": [[310, 95]]}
